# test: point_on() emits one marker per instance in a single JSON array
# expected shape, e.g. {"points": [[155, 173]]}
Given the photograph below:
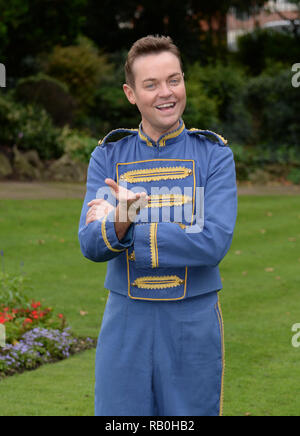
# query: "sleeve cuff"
{"points": [[145, 246], [109, 235]]}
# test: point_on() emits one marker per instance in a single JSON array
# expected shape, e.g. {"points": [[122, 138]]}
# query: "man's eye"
{"points": [[174, 81], [150, 86]]}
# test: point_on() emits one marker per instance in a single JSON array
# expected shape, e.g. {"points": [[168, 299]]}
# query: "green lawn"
{"points": [[259, 301]]}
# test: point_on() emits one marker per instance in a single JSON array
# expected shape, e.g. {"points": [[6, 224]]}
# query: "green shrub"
{"points": [[294, 176], [274, 106], [81, 67], [224, 90], [276, 161], [114, 110], [30, 128], [201, 111], [49, 93], [78, 145], [12, 292], [257, 49]]}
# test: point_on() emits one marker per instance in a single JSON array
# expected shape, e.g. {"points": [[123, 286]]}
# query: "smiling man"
{"points": [[160, 208], [156, 86]]}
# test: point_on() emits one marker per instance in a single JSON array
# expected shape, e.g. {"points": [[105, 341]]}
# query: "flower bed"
{"points": [[39, 346], [18, 320], [34, 335]]}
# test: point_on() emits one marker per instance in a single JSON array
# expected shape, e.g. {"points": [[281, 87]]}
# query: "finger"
{"points": [[113, 185], [141, 195], [88, 218], [96, 201]]}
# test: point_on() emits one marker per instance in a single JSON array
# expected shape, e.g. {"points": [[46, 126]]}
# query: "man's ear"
{"points": [[129, 92]]}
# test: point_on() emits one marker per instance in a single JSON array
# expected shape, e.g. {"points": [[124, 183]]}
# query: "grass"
{"points": [[259, 302]]}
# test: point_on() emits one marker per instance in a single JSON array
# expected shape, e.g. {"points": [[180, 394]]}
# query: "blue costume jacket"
{"points": [[173, 249]]}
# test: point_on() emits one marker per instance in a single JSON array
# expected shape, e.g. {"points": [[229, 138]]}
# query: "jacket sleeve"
{"points": [[169, 245], [98, 240]]}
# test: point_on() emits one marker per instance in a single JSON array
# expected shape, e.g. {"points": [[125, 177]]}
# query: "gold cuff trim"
{"points": [[160, 282], [164, 200], [153, 245], [104, 236], [156, 174]]}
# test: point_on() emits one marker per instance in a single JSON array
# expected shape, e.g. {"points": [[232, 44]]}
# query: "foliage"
{"points": [[78, 145], [12, 290], [33, 335], [279, 162], [80, 67], [28, 127], [274, 106], [117, 24], [219, 93], [114, 109], [30, 27], [294, 176], [18, 319], [49, 93], [39, 346], [18, 313], [258, 48], [201, 111]]}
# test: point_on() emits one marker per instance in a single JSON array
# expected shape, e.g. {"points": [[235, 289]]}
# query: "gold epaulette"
{"points": [[222, 141], [116, 132]]}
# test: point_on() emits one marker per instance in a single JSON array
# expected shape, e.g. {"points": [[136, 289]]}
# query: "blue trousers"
{"points": [[160, 358]]}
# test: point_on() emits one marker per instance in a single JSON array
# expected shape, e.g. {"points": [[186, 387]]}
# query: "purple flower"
{"points": [[38, 346]]}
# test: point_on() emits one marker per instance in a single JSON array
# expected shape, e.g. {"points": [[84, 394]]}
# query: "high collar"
{"points": [[165, 139]]}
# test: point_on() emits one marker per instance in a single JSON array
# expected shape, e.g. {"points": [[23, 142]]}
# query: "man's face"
{"points": [[159, 92]]}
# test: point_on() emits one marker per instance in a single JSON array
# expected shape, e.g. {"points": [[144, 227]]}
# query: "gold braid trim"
{"points": [[156, 174], [113, 132], [160, 282], [104, 236], [164, 200], [213, 133], [171, 135], [153, 245]]}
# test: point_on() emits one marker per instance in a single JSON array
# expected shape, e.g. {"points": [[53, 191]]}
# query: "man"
{"points": [[160, 349]]}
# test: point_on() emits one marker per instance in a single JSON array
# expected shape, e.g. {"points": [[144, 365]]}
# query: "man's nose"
{"points": [[165, 91]]}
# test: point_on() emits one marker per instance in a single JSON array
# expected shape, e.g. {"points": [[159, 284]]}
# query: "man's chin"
{"points": [[168, 123]]}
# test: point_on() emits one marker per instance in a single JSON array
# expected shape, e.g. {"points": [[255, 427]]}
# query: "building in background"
{"points": [[276, 14]]}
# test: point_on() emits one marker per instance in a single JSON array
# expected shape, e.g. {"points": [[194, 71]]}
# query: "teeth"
{"points": [[166, 105]]}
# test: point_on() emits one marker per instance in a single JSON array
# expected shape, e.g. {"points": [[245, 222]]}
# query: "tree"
{"points": [[198, 27], [29, 27]]}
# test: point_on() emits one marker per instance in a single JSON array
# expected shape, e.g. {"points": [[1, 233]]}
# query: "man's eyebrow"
{"points": [[175, 74], [153, 79], [149, 80]]}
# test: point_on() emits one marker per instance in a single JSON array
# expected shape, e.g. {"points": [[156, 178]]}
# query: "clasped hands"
{"points": [[129, 205]]}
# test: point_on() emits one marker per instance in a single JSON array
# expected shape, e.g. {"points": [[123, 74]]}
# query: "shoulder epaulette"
{"points": [[117, 132], [220, 140]]}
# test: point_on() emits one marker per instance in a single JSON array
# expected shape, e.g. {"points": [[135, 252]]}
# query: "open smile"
{"points": [[166, 107]]}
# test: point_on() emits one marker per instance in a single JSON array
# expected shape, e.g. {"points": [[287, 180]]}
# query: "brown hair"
{"points": [[149, 45]]}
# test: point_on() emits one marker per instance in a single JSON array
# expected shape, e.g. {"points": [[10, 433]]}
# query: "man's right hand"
{"points": [[98, 208], [130, 204]]}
